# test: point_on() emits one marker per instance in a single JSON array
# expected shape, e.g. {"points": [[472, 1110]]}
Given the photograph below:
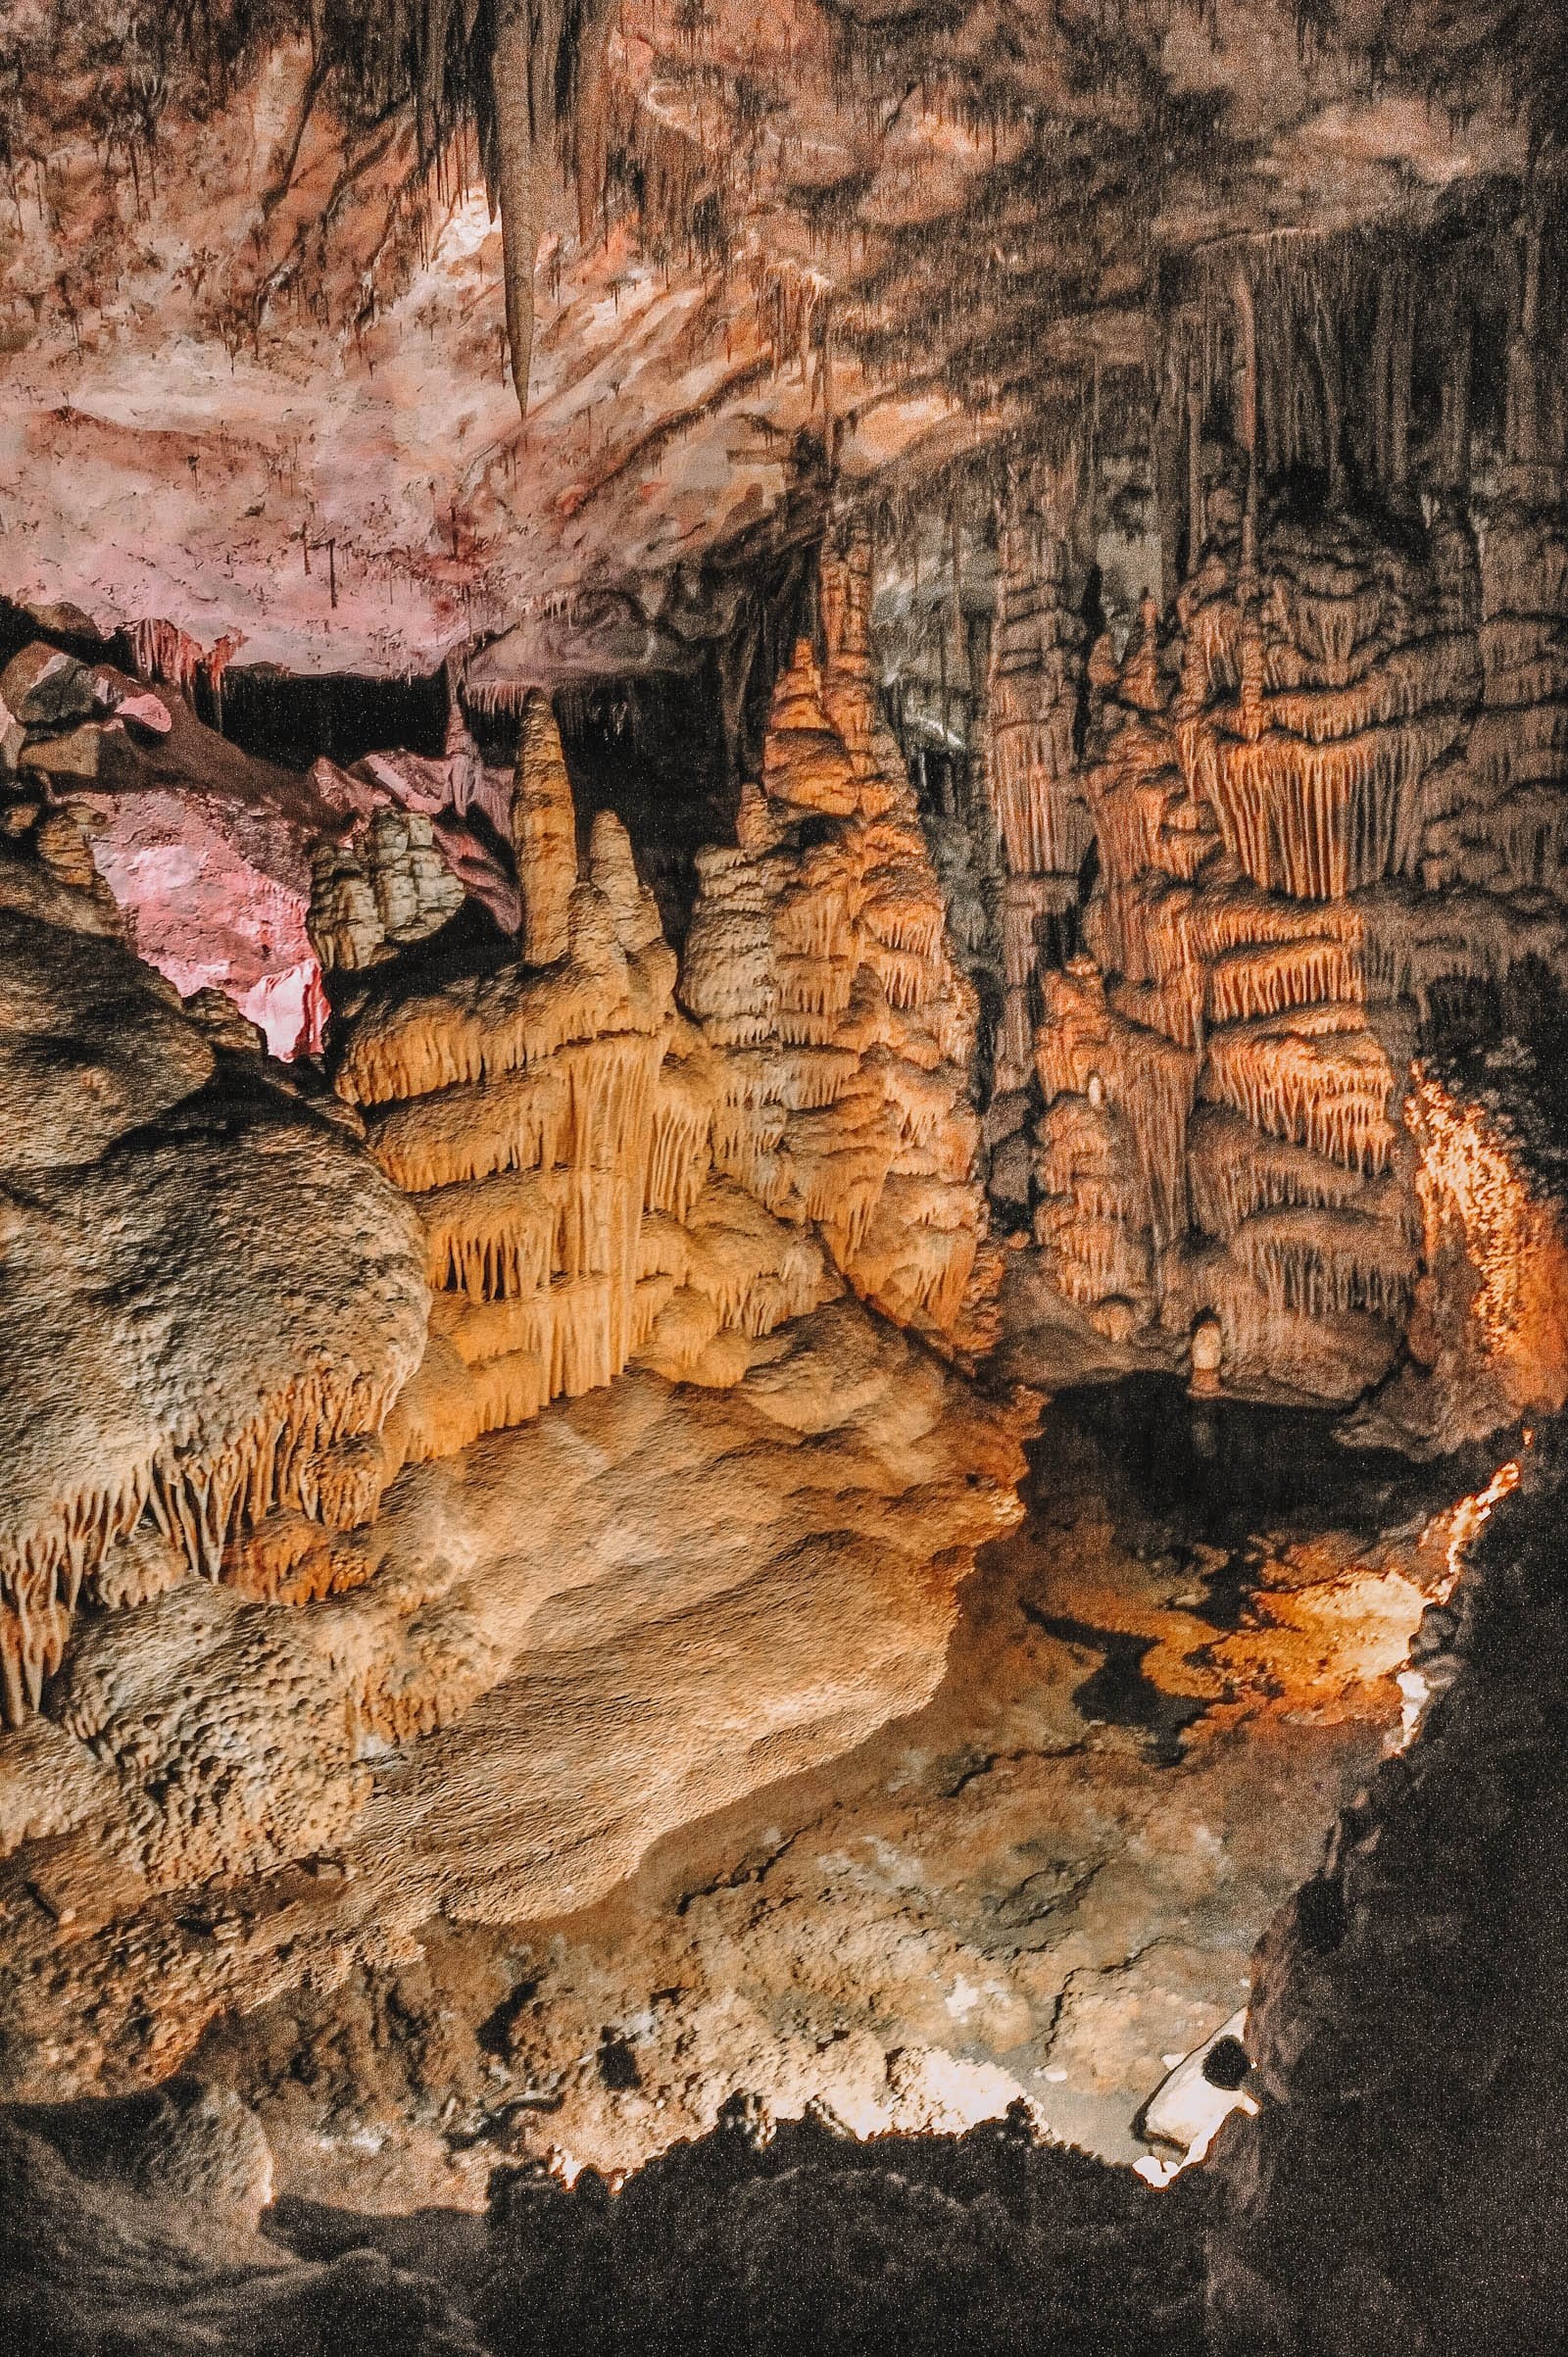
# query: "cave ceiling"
{"points": [[251, 296]]}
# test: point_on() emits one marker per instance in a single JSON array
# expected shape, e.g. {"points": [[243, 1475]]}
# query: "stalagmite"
{"points": [[599, 1174], [544, 834], [819, 975]]}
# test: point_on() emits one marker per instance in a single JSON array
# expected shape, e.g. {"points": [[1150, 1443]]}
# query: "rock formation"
{"points": [[1279, 783], [840, 1030], [576, 1185], [602, 1172], [654, 664]]}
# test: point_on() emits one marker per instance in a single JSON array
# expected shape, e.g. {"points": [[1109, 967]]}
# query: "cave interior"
{"points": [[784, 1209]]}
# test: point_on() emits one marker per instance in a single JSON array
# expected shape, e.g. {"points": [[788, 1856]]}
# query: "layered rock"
{"points": [[375, 896]]}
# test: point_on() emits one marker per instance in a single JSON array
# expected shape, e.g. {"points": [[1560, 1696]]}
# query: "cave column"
{"points": [[1521, 433], [1195, 463], [1456, 378], [1039, 811]]}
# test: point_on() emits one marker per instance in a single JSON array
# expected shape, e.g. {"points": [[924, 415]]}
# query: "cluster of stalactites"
{"points": [[1496, 821], [529, 75], [311, 1448], [1324, 353], [1122, 1074], [1307, 709]]}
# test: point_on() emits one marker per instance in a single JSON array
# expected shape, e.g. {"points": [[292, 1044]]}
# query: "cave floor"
{"points": [[1049, 1879]]}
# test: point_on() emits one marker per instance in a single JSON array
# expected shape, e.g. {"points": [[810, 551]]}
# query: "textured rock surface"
{"points": [[170, 1366], [205, 850], [267, 401], [115, 2239], [1047, 1879]]}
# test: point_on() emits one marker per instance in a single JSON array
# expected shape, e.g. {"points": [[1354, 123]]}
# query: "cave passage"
{"points": [[1048, 1881]]}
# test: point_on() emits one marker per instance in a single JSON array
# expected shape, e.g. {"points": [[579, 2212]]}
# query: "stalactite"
{"points": [[1318, 1264], [197, 1496], [1247, 414], [1321, 820], [681, 1151], [1265, 980], [517, 81], [1327, 1087]]}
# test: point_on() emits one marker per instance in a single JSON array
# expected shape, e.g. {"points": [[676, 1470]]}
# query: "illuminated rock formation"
{"points": [[1488, 1334], [1269, 779], [1045, 540], [544, 1652], [581, 1173], [840, 1028], [519, 1111], [598, 1175]]}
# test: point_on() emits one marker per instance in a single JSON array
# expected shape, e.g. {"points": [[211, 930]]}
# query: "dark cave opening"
{"points": [[294, 719], [653, 752]]}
